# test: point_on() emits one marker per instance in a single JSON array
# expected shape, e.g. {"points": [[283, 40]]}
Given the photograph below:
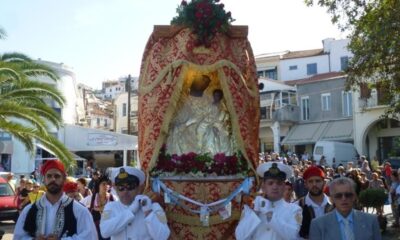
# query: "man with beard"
{"points": [[272, 217], [315, 203], [55, 215]]}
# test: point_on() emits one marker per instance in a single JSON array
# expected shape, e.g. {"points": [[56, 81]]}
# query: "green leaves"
{"points": [[374, 33], [27, 105], [204, 17]]}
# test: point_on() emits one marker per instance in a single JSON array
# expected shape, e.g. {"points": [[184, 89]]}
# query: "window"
{"points": [[285, 98], [347, 106], [312, 69], [344, 63], [326, 101], [305, 108], [124, 109], [263, 112], [294, 67], [105, 122], [270, 73], [98, 121], [5, 136]]}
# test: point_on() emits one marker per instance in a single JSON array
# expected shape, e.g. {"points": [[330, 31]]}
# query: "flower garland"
{"points": [[199, 164], [204, 17]]}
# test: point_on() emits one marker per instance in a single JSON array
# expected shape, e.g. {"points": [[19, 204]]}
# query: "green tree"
{"points": [[374, 33], [23, 109]]}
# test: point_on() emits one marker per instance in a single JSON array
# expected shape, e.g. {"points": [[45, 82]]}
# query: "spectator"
{"points": [[345, 222], [82, 187]]}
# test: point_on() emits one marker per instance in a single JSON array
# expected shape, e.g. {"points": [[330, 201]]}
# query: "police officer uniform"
{"points": [[273, 220]]}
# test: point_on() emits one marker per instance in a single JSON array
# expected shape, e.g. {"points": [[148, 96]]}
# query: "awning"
{"points": [[305, 133], [76, 157], [338, 131], [309, 133]]}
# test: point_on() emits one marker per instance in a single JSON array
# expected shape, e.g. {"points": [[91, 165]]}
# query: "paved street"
{"points": [[8, 227], [390, 234]]}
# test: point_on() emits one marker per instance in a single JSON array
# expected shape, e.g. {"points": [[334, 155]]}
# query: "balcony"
{"points": [[374, 101], [287, 113]]}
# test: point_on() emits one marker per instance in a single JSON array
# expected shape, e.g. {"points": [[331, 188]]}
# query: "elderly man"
{"points": [[134, 216], [272, 217], [55, 215], [344, 222], [315, 203]]}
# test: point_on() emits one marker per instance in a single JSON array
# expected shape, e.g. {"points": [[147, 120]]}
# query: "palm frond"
{"points": [[14, 57]]}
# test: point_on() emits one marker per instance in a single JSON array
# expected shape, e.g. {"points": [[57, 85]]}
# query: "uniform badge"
{"points": [[161, 216], [298, 217], [122, 174], [105, 215]]}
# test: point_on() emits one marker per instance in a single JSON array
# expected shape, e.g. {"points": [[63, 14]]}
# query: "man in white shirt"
{"points": [[55, 216], [315, 203], [134, 216], [272, 217]]}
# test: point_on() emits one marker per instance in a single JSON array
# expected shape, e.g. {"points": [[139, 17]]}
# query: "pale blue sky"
{"points": [[105, 39]]}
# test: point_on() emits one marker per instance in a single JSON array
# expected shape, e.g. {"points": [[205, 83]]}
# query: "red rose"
{"points": [[198, 15]]}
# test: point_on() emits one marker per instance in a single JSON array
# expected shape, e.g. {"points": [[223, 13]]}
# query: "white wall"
{"points": [[301, 71], [121, 121]]}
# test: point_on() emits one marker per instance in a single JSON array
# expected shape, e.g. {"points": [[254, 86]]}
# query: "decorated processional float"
{"points": [[199, 119]]}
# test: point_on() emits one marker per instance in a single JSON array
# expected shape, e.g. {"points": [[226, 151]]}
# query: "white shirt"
{"points": [[118, 222], [398, 194], [84, 221], [319, 210], [284, 224]]}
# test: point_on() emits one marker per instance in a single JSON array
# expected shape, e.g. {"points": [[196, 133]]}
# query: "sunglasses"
{"points": [[346, 195], [125, 188]]}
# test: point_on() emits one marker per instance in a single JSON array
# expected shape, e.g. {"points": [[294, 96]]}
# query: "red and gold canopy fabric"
{"points": [[170, 61]]}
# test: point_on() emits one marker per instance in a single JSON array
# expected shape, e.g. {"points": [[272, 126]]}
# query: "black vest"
{"points": [[308, 215], [69, 223]]}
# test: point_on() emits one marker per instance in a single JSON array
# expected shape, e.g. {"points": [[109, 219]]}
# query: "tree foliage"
{"points": [[24, 109], [374, 33]]}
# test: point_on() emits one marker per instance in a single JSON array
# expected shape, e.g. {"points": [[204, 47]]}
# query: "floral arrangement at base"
{"points": [[199, 165], [204, 17]]}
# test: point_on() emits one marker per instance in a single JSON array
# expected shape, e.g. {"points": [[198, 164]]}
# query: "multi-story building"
{"points": [[94, 112], [375, 136], [121, 113], [308, 67], [326, 112], [279, 111], [112, 88]]}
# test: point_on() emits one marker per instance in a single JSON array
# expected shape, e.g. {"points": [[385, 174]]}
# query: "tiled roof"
{"points": [[304, 53], [317, 78]]}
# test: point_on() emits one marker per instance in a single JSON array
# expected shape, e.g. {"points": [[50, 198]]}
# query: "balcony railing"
{"points": [[287, 113]]}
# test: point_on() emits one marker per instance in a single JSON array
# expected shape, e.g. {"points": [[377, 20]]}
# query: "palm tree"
{"points": [[23, 109]]}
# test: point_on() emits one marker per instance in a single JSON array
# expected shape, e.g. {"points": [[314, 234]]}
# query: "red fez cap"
{"points": [[313, 171], [70, 187], [57, 164]]}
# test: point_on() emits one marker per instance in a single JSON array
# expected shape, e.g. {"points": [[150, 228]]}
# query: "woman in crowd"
{"points": [[98, 200], [82, 187]]}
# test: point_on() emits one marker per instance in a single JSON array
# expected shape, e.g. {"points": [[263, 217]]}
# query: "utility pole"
{"points": [[128, 88]]}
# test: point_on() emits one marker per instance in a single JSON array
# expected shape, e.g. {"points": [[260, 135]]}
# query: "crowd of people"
{"points": [[307, 200], [75, 209]]}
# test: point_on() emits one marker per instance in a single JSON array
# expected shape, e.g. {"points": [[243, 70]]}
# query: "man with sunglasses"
{"points": [[344, 222], [55, 216], [315, 203], [272, 217], [134, 216]]}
